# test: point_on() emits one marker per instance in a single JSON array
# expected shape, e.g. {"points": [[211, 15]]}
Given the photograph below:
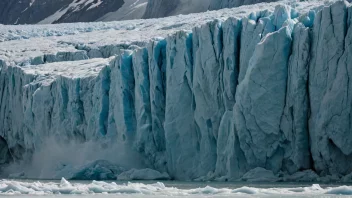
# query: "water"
{"points": [[153, 189]]}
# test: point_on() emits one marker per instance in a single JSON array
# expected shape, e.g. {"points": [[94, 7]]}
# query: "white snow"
{"points": [[191, 6], [55, 16], [93, 5], [76, 5], [31, 3], [69, 69], [131, 9]]}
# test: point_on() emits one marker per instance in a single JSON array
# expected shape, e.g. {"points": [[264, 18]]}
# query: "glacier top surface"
{"points": [[69, 69], [22, 42]]}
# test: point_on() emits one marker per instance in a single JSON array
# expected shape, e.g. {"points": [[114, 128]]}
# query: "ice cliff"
{"points": [[266, 94]]}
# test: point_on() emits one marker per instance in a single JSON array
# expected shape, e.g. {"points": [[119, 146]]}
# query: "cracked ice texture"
{"points": [[270, 90], [329, 123]]}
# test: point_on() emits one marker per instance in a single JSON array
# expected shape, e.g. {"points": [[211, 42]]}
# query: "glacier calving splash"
{"points": [[258, 98]]}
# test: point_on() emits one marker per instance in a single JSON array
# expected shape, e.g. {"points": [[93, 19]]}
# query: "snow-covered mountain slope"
{"points": [[258, 93], [131, 9], [218, 4], [54, 11], [163, 8], [65, 11]]}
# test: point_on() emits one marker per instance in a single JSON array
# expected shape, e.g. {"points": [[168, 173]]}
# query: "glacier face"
{"points": [[234, 97]]}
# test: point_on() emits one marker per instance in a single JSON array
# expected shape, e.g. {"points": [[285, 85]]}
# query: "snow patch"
{"points": [[131, 9]]}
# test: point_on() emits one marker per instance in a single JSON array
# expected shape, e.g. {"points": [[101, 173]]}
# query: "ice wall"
{"points": [[268, 93]]}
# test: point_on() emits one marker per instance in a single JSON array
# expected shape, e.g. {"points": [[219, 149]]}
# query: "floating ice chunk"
{"points": [[98, 170], [245, 190], [208, 190], [64, 183], [315, 187], [342, 190]]}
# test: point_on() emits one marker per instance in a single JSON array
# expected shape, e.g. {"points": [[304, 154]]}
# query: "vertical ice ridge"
{"points": [[294, 122], [105, 90], [231, 29], [146, 142], [207, 89], [252, 33], [231, 50], [123, 112], [328, 90], [142, 98], [11, 114], [260, 101], [180, 132], [157, 78]]}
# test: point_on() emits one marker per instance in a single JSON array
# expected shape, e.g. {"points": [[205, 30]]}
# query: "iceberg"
{"points": [[249, 91], [98, 170]]}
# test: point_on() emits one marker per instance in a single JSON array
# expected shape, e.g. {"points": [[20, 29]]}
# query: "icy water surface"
{"points": [[150, 189]]}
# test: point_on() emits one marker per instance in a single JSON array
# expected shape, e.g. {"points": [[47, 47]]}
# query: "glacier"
{"points": [[255, 93]]}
